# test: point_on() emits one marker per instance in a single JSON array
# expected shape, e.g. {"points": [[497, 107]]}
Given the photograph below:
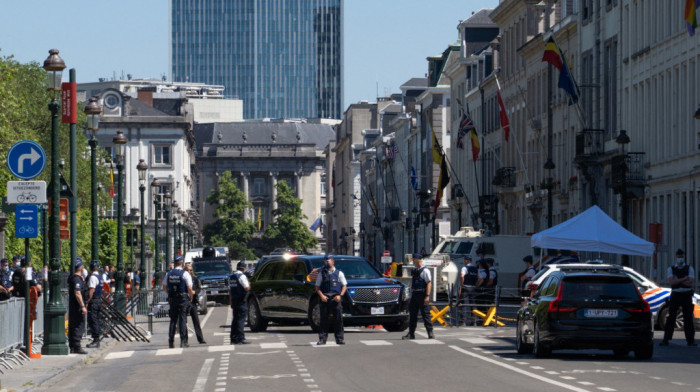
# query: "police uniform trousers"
{"points": [[178, 317], [193, 311], [468, 301], [685, 302], [417, 304], [76, 326], [93, 316], [328, 308], [240, 313]]}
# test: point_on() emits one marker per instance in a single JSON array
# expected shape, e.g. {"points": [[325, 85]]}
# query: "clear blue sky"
{"points": [[386, 41]]}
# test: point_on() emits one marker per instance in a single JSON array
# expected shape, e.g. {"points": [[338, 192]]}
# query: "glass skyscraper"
{"points": [[283, 58]]}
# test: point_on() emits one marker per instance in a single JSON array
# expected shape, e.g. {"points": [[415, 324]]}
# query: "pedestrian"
{"points": [[178, 286], [94, 301], [137, 280], [467, 289], [681, 278], [193, 311], [527, 275], [480, 289], [421, 284], [5, 280], [330, 288], [76, 309], [238, 291], [106, 281], [480, 253]]}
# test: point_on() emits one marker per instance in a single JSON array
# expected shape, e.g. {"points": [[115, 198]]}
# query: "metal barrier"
{"points": [[11, 323], [479, 304]]}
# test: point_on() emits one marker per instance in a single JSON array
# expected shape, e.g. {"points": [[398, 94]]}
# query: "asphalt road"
{"points": [[286, 359]]}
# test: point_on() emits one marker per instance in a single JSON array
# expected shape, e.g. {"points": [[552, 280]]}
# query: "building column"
{"points": [[274, 175], [300, 191], [246, 178]]}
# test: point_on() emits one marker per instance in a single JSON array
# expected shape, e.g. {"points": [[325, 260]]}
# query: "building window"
{"points": [[324, 188], [161, 154], [258, 186], [162, 190]]}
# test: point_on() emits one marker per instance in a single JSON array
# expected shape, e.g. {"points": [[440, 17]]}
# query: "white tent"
{"points": [[592, 231]]}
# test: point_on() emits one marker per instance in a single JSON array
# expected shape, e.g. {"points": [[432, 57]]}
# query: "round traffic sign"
{"points": [[26, 159]]}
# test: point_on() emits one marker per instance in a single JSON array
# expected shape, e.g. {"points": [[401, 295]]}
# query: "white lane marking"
{"points": [[220, 384], [290, 351], [679, 383], [606, 389], [302, 370], [510, 359], [305, 375], [222, 334], [312, 386], [376, 342], [274, 376], [123, 354], [220, 390], [657, 378], [220, 378], [308, 380], [169, 351], [206, 318], [519, 370], [552, 372], [478, 341], [423, 334], [272, 345], [203, 376], [216, 349], [523, 363], [262, 353], [428, 341], [537, 367], [568, 377], [328, 344], [587, 383]]}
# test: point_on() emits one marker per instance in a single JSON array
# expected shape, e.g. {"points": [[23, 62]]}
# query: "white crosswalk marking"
{"points": [[427, 341], [119, 355], [216, 349], [376, 342], [169, 351], [328, 344], [478, 340], [272, 345]]}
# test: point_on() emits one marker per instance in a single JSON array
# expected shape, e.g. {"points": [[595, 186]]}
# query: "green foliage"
{"points": [[24, 114], [231, 228], [288, 229]]}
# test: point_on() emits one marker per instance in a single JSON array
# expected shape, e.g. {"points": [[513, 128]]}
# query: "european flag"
{"points": [[316, 224], [414, 179]]}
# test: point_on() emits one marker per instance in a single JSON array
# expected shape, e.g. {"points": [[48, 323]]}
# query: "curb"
{"points": [[78, 364]]}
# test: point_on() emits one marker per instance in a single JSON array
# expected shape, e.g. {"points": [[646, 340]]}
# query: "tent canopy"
{"points": [[592, 231]]}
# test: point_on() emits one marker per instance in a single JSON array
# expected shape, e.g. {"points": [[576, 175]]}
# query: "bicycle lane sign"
{"points": [[26, 221]]}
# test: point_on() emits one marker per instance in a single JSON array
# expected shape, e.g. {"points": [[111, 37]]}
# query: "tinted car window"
{"points": [[549, 287], [268, 271], [202, 268], [599, 287], [299, 268], [284, 271], [353, 268]]}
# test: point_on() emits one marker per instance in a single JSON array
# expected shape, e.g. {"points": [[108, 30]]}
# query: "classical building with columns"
{"points": [[259, 154]]}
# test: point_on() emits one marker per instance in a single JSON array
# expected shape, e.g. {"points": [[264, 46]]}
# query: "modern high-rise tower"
{"points": [[283, 58]]}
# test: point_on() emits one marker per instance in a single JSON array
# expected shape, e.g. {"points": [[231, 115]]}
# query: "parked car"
{"points": [[657, 296], [214, 272], [283, 291], [583, 308], [202, 297]]}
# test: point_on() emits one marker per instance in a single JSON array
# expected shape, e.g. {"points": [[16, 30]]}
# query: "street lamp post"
{"points": [[166, 216], [173, 213], [54, 336], [622, 139], [92, 113], [142, 167], [155, 187], [120, 146]]}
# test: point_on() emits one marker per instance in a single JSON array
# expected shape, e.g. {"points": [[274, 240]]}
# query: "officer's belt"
{"points": [[417, 290]]}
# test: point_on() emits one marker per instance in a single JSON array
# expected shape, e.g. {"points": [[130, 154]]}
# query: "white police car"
{"points": [[655, 295]]}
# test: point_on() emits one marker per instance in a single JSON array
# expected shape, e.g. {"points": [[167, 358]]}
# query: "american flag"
{"points": [[465, 125], [392, 151]]}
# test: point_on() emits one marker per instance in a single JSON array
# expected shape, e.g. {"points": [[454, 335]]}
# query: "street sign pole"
{"points": [[28, 259], [69, 109]]}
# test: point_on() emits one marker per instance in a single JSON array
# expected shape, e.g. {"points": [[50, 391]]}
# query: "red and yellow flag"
{"points": [[111, 181], [691, 15]]}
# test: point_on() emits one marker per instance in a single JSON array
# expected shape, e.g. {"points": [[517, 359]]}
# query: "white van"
{"points": [[191, 254]]}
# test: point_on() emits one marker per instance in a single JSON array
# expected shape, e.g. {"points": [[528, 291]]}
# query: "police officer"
{"points": [[238, 290], [5, 280], [492, 280], [330, 287], [94, 301], [178, 285], [76, 309], [467, 289], [529, 272], [193, 311], [681, 278], [18, 280], [420, 296]]}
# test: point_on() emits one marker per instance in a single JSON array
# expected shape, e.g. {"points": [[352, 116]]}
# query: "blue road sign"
{"points": [[26, 159], [26, 221]]}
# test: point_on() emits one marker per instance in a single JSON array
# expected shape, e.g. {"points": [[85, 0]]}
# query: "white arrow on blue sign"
{"points": [[26, 159], [26, 221]]}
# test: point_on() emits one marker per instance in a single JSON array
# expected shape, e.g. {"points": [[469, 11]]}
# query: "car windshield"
{"points": [[592, 288], [352, 268], [456, 247], [211, 269]]}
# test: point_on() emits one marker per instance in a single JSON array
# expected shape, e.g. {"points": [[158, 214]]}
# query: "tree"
{"points": [[231, 228], [288, 229]]}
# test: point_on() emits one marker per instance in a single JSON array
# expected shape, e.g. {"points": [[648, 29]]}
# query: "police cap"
{"points": [[528, 259], [78, 264], [4, 261], [417, 256], [468, 257], [329, 256], [94, 265], [240, 265], [680, 252], [489, 261], [179, 259]]}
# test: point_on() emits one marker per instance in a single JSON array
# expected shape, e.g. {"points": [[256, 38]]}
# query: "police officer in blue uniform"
{"points": [[178, 285], [94, 301], [5, 280], [527, 275], [238, 290], [681, 278], [330, 287], [467, 289], [421, 284], [76, 309]]}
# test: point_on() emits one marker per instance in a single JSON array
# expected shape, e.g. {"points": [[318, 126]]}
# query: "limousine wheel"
{"points": [[255, 321], [398, 326], [315, 314]]}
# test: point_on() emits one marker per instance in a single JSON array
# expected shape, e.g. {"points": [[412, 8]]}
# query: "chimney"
{"points": [[146, 97]]}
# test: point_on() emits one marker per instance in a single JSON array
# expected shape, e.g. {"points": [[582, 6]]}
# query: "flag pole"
{"points": [[517, 145]]}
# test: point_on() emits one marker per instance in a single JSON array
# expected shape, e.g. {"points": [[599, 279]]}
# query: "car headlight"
{"points": [[406, 294]]}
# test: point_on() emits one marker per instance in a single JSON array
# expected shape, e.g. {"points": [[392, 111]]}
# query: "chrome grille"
{"points": [[375, 295]]}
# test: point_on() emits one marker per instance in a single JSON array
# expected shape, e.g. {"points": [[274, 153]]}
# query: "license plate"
{"points": [[214, 292], [379, 310], [601, 313]]}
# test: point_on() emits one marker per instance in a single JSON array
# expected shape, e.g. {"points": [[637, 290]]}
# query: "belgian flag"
{"points": [[553, 55]]}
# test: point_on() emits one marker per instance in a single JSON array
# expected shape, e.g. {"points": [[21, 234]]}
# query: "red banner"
{"points": [[68, 103]]}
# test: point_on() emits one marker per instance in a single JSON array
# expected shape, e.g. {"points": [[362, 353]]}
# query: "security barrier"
{"points": [[480, 307], [11, 323]]}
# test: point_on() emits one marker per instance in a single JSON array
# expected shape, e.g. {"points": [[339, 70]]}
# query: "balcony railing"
{"points": [[504, 177], [589, 143], [628, 171]]}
